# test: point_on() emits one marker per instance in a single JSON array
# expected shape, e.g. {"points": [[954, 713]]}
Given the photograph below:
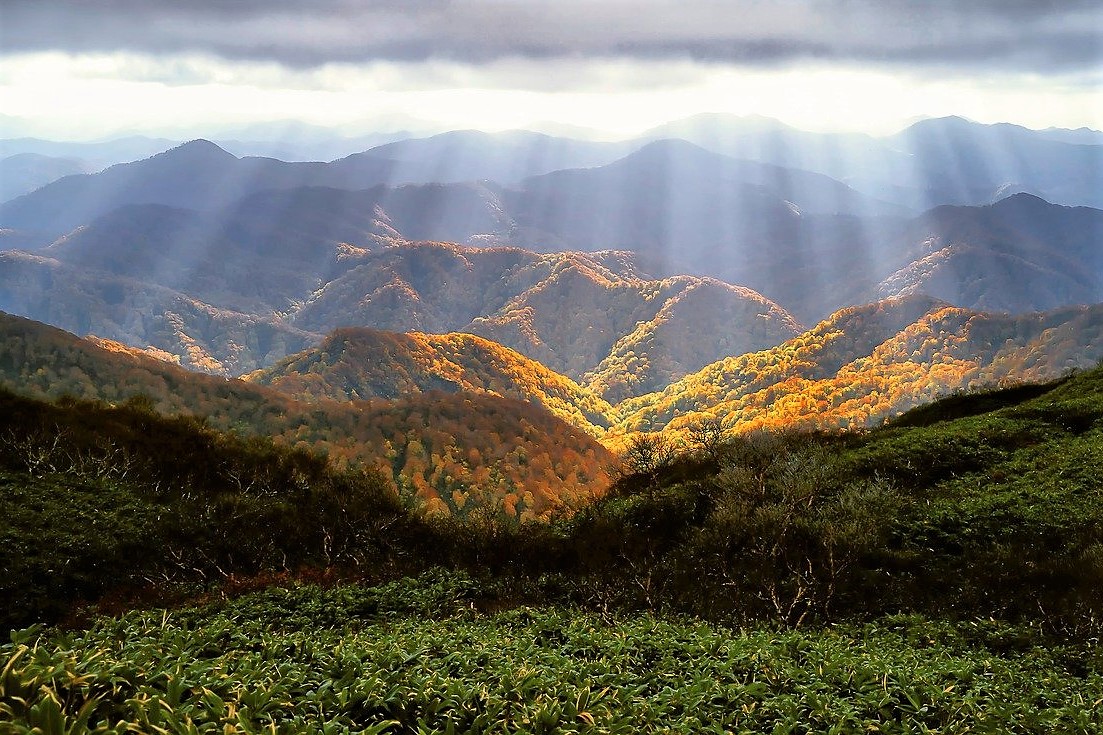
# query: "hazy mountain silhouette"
{"points": [[200, 175], [936, 161], [272, 248], [25, 172], [1020, 254], [505, 157], [849, 157], [319, 246], [962, 162], [197, 175], [97, 154]]}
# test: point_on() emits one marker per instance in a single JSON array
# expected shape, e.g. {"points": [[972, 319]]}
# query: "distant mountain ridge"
{"points": [[807, 241], [627, 271], [936, 161], [25, 172]]}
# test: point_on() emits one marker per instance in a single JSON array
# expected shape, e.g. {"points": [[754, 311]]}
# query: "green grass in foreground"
{"points": [[414, 656]]}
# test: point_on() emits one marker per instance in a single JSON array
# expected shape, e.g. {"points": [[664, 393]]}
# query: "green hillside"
{"points": [[938, 515]]}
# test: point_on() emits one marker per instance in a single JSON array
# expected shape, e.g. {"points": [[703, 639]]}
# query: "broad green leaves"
{"points": [[381, 661]]}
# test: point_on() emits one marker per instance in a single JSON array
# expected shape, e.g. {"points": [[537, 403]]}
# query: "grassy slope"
{"points": [[985, 512], [99, 499], [990, 513], [980, 506]]}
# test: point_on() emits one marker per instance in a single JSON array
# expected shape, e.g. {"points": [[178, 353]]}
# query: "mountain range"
{"points": [[24, 172], [143, 274], [455, 418], [857, 368], [935, 161], [869, 363], [614, 288], [804, 240], [583, 314], [947, 160]]}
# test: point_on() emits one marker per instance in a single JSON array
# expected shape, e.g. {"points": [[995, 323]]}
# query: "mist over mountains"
{"points": [[627, 269]]}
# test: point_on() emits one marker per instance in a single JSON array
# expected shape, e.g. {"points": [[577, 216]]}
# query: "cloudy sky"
{"points": [[89, 68]]}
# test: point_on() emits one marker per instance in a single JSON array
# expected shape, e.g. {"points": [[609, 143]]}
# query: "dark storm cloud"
{"points": [[1000, 34]]}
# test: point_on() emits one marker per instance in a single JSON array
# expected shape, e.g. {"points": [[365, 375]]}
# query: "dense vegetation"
{"points": [[975, 513], [101, 499], [867, 364], [359, 364], [447, 451], [941, 574], [418, 657]]}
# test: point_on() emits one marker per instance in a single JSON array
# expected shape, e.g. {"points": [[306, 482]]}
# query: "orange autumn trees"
{"points": [[440, 449]]}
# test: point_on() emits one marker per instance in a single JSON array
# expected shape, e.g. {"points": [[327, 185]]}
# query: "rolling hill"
{"points": [[357, 364], [867, 364], [580, 314], [451, 453]]}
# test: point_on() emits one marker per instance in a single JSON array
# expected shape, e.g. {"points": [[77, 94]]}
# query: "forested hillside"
{"points": [[450, 452], [867, 364], [581, 314], [981, 505], [358, 364]]}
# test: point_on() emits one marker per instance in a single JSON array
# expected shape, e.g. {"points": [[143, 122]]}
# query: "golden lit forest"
{"points": [[456, 419], [357, 363], [437, 447]]}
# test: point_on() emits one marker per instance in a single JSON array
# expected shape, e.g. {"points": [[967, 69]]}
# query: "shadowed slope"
{"points": [[178, 326]]}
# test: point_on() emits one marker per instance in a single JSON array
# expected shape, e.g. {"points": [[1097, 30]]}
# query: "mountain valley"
{"points": [[714, 271]]}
